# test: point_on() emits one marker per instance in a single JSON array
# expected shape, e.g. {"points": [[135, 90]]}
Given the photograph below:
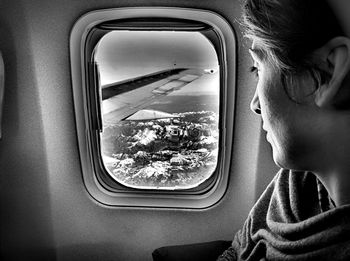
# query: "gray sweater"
{"points": [[293, 220]]}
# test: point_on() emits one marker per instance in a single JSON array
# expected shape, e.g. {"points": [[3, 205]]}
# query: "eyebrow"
{"points": [[259, 53]]}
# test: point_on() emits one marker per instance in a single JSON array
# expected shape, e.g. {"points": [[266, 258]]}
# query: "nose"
{"points": [[255, 103]]}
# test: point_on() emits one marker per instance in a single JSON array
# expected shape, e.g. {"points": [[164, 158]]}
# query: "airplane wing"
{"points": [[121, 100]]}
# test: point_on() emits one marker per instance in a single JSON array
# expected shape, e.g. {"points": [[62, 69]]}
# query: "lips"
{"points": [[267, 133]]}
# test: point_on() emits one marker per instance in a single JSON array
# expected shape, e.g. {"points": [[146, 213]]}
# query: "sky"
{"points": [[124, 55]]}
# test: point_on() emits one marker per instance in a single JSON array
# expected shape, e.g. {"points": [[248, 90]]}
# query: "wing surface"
{"points": [[137, 94]]}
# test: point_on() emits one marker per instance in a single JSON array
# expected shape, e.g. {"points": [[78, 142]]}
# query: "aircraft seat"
{"points": [[208, 251]]}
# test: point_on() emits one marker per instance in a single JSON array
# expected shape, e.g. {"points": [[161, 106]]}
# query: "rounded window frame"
{"points": [[91, 164]]}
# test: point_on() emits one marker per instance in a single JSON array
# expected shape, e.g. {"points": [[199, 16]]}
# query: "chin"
{"points": [[277, 156], [279, 162]]}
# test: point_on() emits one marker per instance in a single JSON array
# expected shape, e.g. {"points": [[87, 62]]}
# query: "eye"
{"points": [[255, 71]]}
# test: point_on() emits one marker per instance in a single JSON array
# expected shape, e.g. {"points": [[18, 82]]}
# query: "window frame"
{"points": [[86, 117]]}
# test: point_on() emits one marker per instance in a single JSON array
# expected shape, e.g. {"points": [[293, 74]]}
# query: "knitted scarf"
{"points": [[291, 222]]}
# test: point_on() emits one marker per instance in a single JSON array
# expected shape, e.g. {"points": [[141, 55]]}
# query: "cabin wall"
{"points": [[46, 212]]}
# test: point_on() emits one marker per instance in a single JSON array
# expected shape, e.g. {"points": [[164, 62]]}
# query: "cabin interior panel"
{"points": [[46, 211]]}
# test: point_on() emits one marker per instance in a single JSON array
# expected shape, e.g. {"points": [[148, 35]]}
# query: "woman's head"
{"points": [[302, 59], [289, 30]]}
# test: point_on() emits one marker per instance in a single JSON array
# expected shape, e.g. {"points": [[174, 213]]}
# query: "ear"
{"points": [[334, 59]]}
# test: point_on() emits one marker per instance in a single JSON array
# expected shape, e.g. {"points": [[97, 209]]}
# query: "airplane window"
{"points": [[154, 97], [159, 104]]}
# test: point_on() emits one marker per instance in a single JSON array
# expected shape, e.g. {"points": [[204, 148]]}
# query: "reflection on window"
{"points": [[160, 108]]}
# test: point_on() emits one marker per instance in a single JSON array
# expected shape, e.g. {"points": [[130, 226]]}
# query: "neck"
{"points": [[338, 187], [335, 174]]}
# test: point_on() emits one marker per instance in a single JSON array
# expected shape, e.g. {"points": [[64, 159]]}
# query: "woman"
{"points": [[302, 62]]}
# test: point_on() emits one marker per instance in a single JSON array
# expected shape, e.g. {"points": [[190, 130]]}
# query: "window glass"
{"points": [[160, 108]]}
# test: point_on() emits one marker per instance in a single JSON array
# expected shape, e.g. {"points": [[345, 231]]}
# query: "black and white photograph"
{"points": [[175, 130]]}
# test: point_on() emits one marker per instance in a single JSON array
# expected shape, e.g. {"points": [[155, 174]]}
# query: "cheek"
{"points": [[290, 126], [301, 89], [279, 120], [272, 99]]}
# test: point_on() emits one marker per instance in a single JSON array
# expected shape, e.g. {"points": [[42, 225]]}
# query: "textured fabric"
{"points": [[290, 222]]}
